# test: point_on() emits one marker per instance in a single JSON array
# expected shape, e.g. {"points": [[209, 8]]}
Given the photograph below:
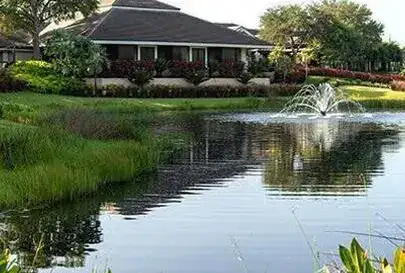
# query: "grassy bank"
{"points": [[376, 97], [50, 153], [59, 147], [40, 164]]}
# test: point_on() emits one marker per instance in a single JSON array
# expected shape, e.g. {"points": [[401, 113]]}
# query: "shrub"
{"points": [[140, 77], [41, 78], [245, 77], [161, 65], [8, 83], [363, 76], [124, 68], [196, 76], [231, 69], [398, 85], [296, 76], [194, 72], [75, 55], [160, 91]]}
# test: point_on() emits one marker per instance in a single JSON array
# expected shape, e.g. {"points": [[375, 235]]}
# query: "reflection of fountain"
{"points": [[323, 134], [326, 157], [323, 99]]}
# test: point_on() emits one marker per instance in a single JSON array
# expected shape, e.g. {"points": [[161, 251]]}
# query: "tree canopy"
{"points": [[33, 16], [286, 26], [344, 32]]}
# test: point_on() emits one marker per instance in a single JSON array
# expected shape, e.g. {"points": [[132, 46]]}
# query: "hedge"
{"points": [[160, 91], [363, 76], [40, 77]]}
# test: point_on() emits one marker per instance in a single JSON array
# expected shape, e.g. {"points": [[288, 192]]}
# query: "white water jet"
{"points": [[322, 99]]}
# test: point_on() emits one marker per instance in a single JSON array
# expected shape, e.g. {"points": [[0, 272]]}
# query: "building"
{"points": [[149, 29], [12, 49]]}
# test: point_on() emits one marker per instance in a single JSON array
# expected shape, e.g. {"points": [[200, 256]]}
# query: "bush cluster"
{"points": [[398, 86], [122, 68], [9, 83], [194, 72], [363, 76], [159, 91], [297, 76], [40, 77]]}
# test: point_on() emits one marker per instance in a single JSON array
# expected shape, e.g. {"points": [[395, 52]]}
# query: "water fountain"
{"points": [[322, 99]]}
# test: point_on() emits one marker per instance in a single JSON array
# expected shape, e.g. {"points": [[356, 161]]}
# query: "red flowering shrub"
{"points": [[297, 76], [230, 69], [184, 68], [398, 85], [363, 76], [125, 68]]}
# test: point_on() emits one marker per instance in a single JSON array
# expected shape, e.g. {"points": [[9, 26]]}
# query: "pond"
{"points": [[254, 192]]}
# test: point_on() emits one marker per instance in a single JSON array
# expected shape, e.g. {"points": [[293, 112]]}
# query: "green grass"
{"points": [[39, 164], [342, 81], [127, 104], [376, 97]]}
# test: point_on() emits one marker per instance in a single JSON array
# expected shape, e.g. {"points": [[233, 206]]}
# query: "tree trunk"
{"points": [[36, 46], [36, 30]]}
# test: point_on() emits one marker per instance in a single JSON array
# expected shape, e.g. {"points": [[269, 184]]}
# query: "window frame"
{"points": [[155, 49]]}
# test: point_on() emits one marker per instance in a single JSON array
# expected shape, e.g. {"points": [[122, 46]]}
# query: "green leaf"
{"points": [[347, 259], [369, 268], [399, 260], [358, 254]]}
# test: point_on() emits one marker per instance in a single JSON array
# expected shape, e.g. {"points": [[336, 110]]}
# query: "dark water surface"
{"points": [[247, 195]]}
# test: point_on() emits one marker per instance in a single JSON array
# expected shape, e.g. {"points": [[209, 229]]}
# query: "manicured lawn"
{"points": [[33, 99], [375, 97]]}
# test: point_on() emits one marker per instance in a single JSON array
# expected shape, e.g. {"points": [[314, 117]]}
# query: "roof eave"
{"points": [[190, 44]]}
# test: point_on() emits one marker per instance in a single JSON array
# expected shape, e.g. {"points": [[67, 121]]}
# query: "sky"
{"points": [[248, 12]]}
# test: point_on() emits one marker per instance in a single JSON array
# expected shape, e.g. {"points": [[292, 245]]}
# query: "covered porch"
{"points": [[191, 53]]}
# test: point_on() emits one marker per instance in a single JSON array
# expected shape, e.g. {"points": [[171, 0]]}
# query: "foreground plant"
{"points": [[356, 260], [7, 265]]}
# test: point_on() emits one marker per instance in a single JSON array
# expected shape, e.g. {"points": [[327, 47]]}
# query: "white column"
{"points": [[138, 57], [206, 57], [244, 55], [156, 52], [190, 54]]}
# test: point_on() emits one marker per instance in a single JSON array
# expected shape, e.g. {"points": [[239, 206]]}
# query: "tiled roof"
{"points": [[227, 25], [145, 4], [13, 41], [136, 25]]}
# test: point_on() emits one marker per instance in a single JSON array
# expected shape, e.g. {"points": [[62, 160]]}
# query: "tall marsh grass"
{"points": [[49, 163]]}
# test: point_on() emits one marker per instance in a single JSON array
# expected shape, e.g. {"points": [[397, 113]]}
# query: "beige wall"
{"points": [[180, 82], [23, 55]]}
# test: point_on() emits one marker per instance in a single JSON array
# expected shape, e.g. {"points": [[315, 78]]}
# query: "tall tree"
{"points": [[33, 16], [287, 26], [346, 31]]}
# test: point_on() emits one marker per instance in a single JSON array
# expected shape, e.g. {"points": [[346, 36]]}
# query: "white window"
{"points": [[198, 54], [148, 53]]}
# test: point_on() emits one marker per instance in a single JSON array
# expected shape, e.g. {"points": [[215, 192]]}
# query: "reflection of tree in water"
{"points": [[326, 157], [66, 230], [69, 229], [298, 157]]}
